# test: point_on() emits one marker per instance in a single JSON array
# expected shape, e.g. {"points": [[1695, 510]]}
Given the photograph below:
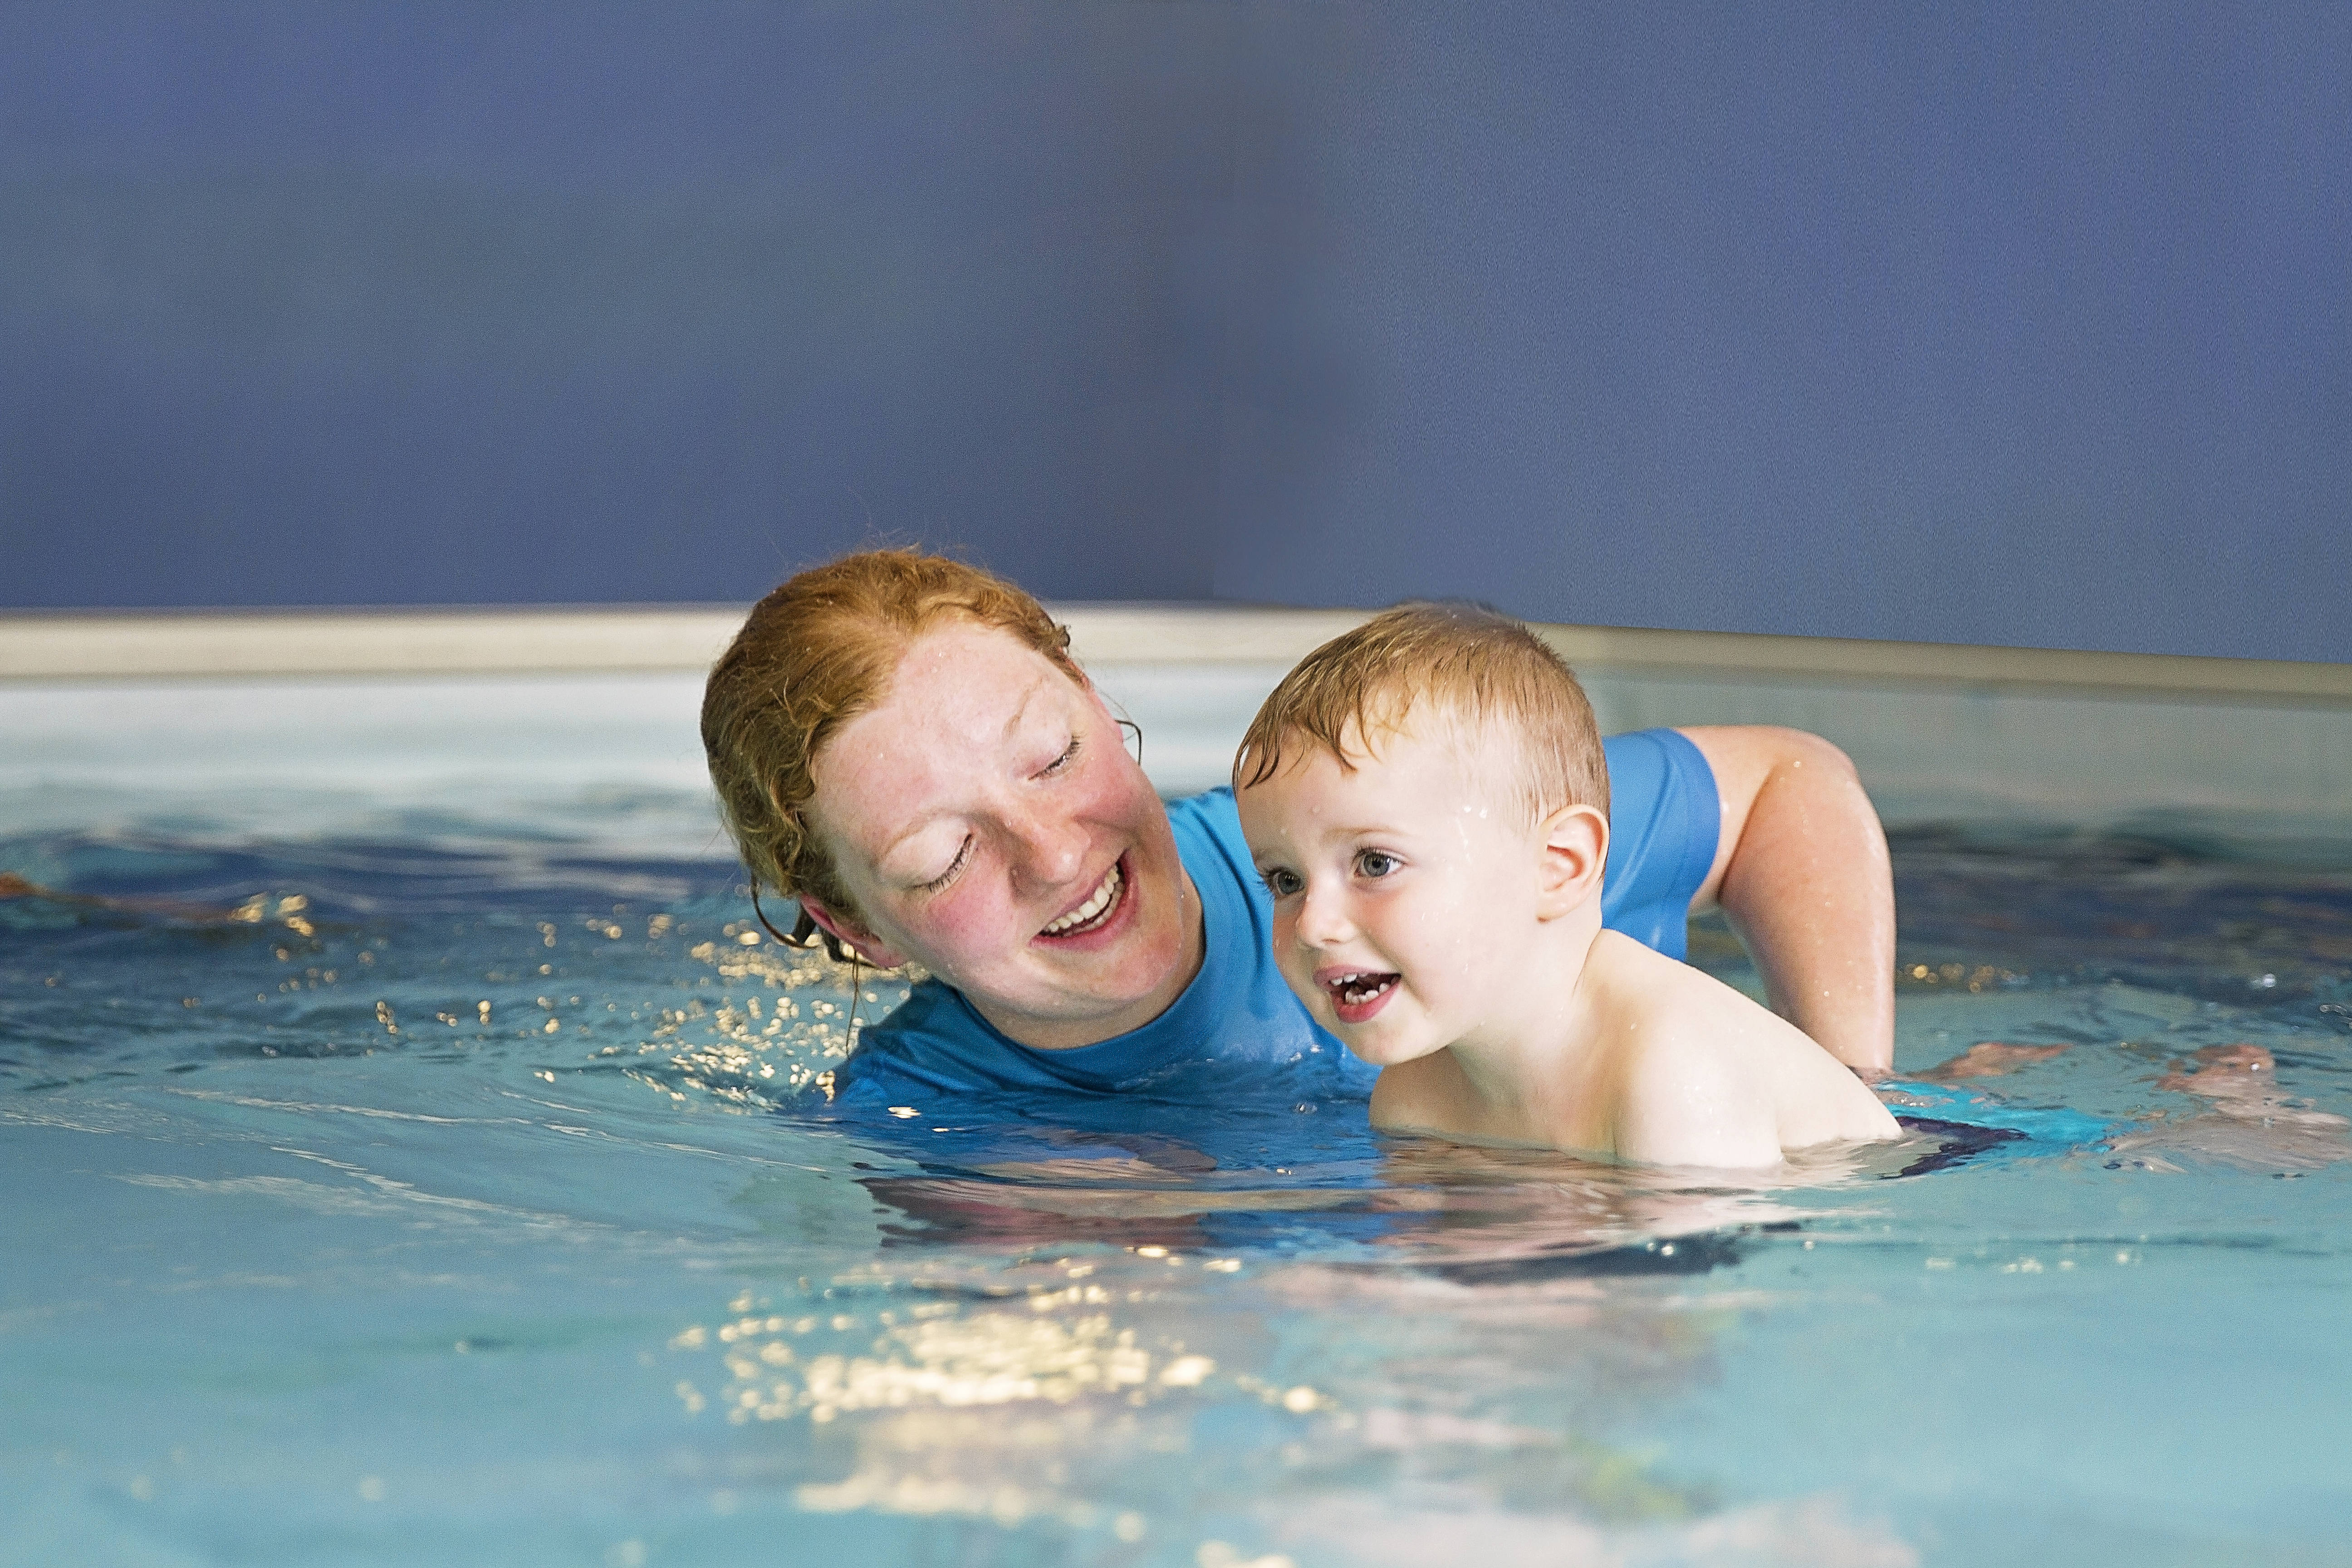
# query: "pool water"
{"points": [[453, 1182]]}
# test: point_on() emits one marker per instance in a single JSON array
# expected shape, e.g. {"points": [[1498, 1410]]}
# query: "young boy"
{"points": [[1427, 801]]}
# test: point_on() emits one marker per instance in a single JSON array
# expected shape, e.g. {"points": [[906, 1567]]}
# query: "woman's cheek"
{"points": [[968, 924], [1119, 792]]}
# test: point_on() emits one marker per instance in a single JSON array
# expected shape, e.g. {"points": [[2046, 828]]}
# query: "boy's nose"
{"points": [[1323, 920]]}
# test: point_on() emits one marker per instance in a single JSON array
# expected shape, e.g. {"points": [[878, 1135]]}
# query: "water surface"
{"points": [[469, 1194]]}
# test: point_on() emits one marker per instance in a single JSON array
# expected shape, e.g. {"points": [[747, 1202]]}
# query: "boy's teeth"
{"points": [[1104, 896], [1355, 989]]}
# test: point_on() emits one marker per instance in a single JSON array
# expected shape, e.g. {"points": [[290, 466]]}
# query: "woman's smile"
{"points": [[1096, 914]]}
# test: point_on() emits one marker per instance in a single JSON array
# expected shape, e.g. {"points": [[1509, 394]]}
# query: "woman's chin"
{"points": [[1143, 963], [1144, 970]]}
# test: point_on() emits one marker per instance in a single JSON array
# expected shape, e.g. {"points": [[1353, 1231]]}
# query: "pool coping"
{"points": [[1937, 732], [577, 640], [52, 646]]}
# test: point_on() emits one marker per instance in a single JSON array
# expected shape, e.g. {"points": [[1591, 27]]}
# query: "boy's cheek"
{"points": [[1294, 971], [1310, 996], [1283, 936]]}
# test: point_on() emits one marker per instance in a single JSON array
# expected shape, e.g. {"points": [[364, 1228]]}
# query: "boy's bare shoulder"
{"points": [[1686, 1099], [1714, 1065], [1702, 1069], [1650, 1001]]}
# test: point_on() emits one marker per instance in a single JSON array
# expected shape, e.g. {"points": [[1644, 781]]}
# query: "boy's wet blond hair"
{"points": [[1474, 669]]}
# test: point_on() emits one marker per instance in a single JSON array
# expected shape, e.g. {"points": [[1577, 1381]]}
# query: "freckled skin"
{"points": [[1514, 1017], [963, 824]]}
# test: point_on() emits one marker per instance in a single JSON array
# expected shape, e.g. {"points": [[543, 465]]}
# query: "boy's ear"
{"points": [[1575, 853], [867, 945]]}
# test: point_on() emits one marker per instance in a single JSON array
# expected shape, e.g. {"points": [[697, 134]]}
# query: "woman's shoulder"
{"points": [[1208, 829], [933, 1037], [1210, 812]]}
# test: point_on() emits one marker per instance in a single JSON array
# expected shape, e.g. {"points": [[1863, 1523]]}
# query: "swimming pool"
{"points": [[467, 1197]]}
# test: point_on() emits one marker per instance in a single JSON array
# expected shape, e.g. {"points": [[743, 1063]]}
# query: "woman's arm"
{"points": [[1800, 869]]}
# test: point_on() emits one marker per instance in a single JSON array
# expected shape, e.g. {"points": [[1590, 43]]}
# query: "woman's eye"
{"points": [[1282, 884], [963, 851], [1069, 755], [1375, 863]]}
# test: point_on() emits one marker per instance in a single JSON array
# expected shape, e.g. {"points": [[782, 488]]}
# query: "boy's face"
{"points": [[1407, 891]]}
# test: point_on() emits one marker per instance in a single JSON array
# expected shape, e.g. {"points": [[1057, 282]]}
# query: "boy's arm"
{"points": [[1800, 869]]}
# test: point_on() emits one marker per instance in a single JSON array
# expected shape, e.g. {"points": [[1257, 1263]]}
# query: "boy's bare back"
{"points": [[1667, 1065]]}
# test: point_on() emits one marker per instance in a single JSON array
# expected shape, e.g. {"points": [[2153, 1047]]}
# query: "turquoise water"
{"points": [[468, 1196]]}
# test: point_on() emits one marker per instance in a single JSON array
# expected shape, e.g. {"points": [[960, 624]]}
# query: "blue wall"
{"points": [[2009, 323], [2021, 325]]}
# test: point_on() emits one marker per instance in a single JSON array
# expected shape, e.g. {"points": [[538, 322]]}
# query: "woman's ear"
{"points": [[865, 943], [1575, 849]]}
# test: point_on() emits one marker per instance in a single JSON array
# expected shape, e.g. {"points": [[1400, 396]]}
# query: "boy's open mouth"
{"points": [[1099, 907], [1357, 993]]}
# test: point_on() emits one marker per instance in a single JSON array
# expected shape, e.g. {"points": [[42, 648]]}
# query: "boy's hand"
{"points": [[1800, 869]]}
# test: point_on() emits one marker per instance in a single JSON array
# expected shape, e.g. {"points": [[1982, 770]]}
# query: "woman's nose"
{"points": [[1053, 849]]}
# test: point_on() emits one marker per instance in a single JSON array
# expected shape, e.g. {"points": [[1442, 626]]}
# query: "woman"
{"points": [[903, 743]]}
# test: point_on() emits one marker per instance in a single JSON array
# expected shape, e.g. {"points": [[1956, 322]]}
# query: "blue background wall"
{"points": [[2011, 324]]}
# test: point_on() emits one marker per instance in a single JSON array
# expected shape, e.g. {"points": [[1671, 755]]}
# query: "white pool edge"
{"points": [[607, 696], [165, 645]]}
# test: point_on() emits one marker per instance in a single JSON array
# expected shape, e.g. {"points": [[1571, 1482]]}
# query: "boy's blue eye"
{"points": [[1282, 884], [1375, 863]]}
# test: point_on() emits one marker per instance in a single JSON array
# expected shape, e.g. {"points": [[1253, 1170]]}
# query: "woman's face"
{"points": [[990, 826]]}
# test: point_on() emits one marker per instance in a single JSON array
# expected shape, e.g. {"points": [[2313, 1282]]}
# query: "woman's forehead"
{"points": [[961, 700], [981, 679]]}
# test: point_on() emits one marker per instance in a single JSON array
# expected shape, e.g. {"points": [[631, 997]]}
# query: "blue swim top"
{"points": [[1236, 1036], [1979, 1129]]}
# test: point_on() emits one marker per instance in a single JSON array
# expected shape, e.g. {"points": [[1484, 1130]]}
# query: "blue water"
{"points": [[470, 1197]]}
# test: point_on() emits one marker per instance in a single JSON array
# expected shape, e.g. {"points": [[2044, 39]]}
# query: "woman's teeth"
{"points": [[1354, 990], [1094, 909]]}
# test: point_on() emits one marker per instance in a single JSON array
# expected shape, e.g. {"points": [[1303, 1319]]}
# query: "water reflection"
{"points": [[1072, 1343], [1143, 1397], [1472, 1212], [2175, 906]]}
